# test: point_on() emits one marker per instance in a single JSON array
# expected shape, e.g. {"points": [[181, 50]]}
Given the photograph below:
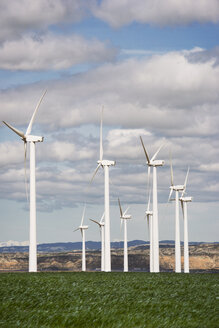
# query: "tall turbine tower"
{"points": [[124, 217], [149, 216], [101, 225], [154, 163], [184, 200], [105, 165], [176, 188], [27, 137], [82, 228]]}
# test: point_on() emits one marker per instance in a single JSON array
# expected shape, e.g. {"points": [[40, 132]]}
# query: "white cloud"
{"points": [[20, 16], [159, 12], [167, 93], [165, 97], [51, 51]]}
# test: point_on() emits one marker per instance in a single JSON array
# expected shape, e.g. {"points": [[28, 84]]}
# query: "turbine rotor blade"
{"points": [[82, 219], [171, 169], [76, 229], [101, 136], [185, 183], [20, 133], [149, 171], [126, 211], [95, 172], [155, 155], [34, 114], [146, 154], [120, 208], [149, 200], [25, 169], [121, 223], [95, 222], [171, 191], [182, 205], [101, 220], [148, 222]]}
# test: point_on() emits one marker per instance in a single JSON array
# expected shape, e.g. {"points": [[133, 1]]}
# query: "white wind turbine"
{"points": [[27, 137], [124, 217], [149, 216], [101, 225], [82, 228], [184, 200], [155, 233], [177, 188], [105, 165]]}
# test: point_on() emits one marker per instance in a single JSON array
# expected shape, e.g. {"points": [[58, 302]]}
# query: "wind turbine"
{"points": [[124, 217], [155, 233], [177, 188], [31, 139], [149, 216], [105, 164], [82, 228], [101, 225], [184, 200]]}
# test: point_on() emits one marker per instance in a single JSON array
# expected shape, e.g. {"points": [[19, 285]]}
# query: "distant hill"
{"points": [[90, 245]]}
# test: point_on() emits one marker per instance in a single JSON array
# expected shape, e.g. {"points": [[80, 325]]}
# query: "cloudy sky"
{"points": [[154, 66]]}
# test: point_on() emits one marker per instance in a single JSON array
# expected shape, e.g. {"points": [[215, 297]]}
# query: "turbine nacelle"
{"points": [[149, 213], [186, 199], [106, 163], [83, 227], [31, 138], [126, 217], [178, 188], [156, 163]]}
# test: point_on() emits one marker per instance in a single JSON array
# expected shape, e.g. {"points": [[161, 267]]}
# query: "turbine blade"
{"points": [[171, 169], [34, 114], [182, 205], [101, 220], [120, 208], [146, 154], [185, 183], [148, 222], [76, 229], [101, 135], [149, 171], [171, 191], [126, 211], [95, 222], [20, 133], [25, 169], [155, 155], [149, 200], [121, 223], [82, 219], [95, 172]]}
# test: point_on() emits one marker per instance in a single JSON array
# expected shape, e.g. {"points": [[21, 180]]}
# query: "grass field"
{"points": [[109, 300]]}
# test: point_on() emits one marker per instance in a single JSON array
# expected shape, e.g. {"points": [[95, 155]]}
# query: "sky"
{"points": [[154, 67]]}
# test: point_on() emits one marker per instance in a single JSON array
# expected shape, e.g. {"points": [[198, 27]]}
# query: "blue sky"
{"points": [[154, 67]]}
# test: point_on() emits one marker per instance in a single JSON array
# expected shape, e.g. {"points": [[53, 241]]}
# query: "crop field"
{"points": [[95, 299]]}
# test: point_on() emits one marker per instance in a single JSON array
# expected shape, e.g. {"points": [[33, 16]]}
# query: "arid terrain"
{"points": [[202, 257]]}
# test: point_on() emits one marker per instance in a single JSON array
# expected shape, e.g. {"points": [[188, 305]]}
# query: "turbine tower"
{"points": [[184, 200], [82, 228], [105, 164], [124, 217], [155, 233], [32, 140], [176, 188], [101, 225], [149, 216]]}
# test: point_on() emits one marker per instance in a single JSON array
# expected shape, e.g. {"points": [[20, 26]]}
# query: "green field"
{"points": [[108, 300]]}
